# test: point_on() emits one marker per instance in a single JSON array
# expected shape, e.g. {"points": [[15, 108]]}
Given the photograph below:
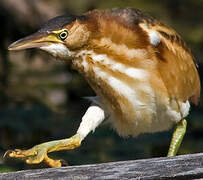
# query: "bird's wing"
{"points": [[176, 65]]}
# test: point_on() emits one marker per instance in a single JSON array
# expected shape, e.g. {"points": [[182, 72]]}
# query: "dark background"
{"points": [[41, 98]]}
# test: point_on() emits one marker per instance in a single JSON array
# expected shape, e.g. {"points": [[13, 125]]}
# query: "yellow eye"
{"points": [[63, 35]]}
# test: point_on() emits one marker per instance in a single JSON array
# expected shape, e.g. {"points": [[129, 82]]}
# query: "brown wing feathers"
{"points": [[175, 62]]}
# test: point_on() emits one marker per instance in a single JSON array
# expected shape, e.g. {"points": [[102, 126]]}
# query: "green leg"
{"points": [[177, 138], [39, 152]]}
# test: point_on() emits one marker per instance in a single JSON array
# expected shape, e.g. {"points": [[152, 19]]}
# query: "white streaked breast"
{"points": [[137, 73], [116, 66], [123, 89], [122, 49], [103, 59]]}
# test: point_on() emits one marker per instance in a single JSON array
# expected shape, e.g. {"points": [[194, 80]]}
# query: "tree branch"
{"points": [[178, 167]]}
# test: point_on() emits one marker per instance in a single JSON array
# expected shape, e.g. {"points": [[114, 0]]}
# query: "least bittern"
{"points": [[143, 73]]}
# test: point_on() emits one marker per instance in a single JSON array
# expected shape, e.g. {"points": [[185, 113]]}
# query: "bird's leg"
{"points": [[177, 138], [92, 118]]}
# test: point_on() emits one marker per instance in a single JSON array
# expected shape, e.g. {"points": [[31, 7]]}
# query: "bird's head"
{"points": [[60, 36], [103, 31]]}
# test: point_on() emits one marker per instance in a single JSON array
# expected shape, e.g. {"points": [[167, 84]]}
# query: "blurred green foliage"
{"points": [[41, 99]]}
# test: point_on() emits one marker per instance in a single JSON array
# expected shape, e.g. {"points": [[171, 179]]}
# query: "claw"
{"points": [[7, 153], [63, 162]]}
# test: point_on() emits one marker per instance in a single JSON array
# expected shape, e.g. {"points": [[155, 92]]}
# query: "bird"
{"points": [[144, 75]]}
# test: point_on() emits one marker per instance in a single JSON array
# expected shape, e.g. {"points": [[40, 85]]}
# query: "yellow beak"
{"points": [[35, 40]]}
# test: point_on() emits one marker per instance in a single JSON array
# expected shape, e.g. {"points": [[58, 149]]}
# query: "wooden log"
{"points": [[178, 167]]}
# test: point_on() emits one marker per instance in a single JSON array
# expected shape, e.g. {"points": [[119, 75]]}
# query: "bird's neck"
{"points": [[113, 46]]}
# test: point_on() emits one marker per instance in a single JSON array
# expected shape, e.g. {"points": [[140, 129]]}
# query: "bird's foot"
{"points": [[38, 153]]}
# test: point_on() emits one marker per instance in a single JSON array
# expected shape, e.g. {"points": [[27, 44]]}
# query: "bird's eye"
{"points": [[63, 35]]}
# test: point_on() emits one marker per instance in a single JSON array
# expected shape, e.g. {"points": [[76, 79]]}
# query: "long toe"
{"points": [[18, 153], [41, 153], [53, 163]]}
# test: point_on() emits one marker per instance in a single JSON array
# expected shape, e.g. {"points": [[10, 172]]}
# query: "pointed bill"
{"points": [[35, 40]]}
